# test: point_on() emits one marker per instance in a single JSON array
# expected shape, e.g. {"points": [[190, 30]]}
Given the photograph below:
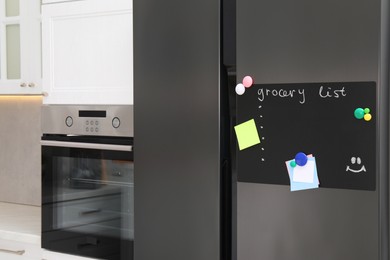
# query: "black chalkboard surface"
{"points": [[314, 118]]}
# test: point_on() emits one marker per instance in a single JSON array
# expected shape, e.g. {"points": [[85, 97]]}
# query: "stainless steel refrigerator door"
{"points": [[176, 138], [295, 42]]}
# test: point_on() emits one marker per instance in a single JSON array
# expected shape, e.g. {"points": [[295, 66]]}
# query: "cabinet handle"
{"points": [[23, 84], [31, 84], [18, 252]]}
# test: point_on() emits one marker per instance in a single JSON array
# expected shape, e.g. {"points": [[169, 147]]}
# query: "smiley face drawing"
{"points": [[356, 161]]}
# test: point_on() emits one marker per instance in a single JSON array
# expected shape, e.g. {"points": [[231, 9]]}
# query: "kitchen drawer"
{"points": [[56, 1], [48, 255], [87, 245], [14, 250], [87, 211]]}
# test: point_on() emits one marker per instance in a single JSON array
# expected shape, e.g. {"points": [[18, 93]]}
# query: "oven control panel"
{"points": [[91, 126], [88, 120]]}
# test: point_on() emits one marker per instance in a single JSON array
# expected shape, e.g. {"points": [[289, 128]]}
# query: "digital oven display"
{"points": [[92, 113]]}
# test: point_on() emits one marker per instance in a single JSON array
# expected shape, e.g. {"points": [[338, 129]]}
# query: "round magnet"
{"points": [[359, 113], [367, 110], [240, 89], [247, 81], [293, 163], [300, 159], [367, 117]]}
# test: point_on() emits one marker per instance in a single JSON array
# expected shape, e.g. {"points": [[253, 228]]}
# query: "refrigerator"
{"points": [[208, 189]]}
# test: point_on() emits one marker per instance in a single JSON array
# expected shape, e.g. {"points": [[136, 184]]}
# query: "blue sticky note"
{"points": [[303, 177]]}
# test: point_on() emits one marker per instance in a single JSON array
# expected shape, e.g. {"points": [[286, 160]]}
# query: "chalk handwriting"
{"points": [[323, 92], [331, 93], [283, 93]]}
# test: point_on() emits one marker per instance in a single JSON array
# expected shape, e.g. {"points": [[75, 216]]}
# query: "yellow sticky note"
{"points": [[247, 134]]}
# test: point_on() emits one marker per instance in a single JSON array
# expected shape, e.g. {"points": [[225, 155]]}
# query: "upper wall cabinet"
{"points": [[87, 52], [20, 47]]}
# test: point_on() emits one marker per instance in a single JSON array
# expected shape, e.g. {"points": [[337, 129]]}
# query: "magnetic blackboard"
{"points": [[314, 118]]}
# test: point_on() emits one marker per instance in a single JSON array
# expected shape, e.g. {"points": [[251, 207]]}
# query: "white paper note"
{"points": [[304, 173]]}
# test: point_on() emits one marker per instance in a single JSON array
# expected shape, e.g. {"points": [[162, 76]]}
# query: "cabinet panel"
{"points": [[87, 57], [12, 32], [11, 8], [20, 47]]}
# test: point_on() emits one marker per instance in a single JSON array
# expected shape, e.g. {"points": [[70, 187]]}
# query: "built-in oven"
{"points": [[88, 181]]}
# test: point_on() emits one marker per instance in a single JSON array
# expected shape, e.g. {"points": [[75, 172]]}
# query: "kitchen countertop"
{"points": [[20, 223]]}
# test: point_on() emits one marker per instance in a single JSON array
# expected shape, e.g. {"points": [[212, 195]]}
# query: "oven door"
{"points": [[88, 198]]}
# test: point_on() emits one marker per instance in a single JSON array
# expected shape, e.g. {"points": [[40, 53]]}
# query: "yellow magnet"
{"points": [[367, 117]]}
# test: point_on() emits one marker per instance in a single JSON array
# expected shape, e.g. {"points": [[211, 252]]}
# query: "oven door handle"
{"points": [[80, 145]]}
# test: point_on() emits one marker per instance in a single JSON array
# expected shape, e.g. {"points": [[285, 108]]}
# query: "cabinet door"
{"points": [[88, 52], [15, 250], [20, 47]]}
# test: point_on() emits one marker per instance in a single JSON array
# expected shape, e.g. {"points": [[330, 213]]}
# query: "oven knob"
{"points": [[69, 121], [116, 122]]}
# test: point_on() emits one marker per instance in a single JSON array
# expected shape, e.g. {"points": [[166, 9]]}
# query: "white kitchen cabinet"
{"points": [[15, 250], [57, 1], [49, 255], [87, 52], [20, 47]]}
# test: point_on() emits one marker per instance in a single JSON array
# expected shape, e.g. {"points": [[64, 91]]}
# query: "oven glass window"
{"points": [[88, 202]]}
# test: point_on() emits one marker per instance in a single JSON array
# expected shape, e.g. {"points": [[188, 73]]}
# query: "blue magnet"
{"points": [[301, 159]]}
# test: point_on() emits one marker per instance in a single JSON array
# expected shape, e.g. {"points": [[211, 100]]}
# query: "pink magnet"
{"points": [[247, 81]]}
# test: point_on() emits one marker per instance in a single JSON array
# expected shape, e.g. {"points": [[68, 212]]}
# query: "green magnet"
{"points": [[367, 110], [293, 163], [359, 113]]}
